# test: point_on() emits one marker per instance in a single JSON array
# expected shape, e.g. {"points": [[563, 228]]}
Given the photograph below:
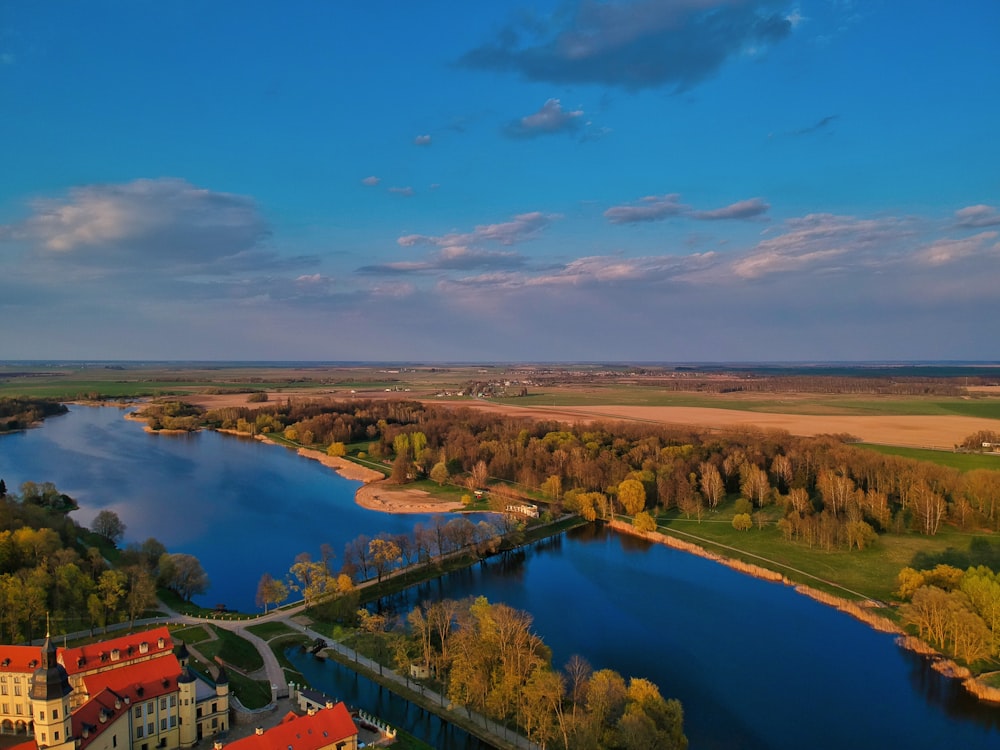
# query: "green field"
{"points": [[814, 405], [871, 573], [961, 461]]}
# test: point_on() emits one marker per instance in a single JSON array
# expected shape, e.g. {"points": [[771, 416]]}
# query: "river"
{"points": [[755, 664]]}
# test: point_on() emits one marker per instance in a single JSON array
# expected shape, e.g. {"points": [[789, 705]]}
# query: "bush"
{"points": [[742, 522]]}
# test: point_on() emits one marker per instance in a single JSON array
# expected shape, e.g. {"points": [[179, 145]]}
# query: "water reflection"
{"points": [[341, 683]]}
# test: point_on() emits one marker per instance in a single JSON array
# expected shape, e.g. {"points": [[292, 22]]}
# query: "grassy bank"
{"points": [[961, 461]]}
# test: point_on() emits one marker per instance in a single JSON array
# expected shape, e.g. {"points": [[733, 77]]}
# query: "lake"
{"points": [[755, 664], [241, 506]]}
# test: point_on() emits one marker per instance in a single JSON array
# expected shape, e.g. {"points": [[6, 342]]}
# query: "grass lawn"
{"points": [[871, 573], [252, 693], [193, 635], [269, 630], [961, 461], [232, 649]]}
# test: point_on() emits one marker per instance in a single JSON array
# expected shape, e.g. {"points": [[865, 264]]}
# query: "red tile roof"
{"points": [[323, 728], [107, 704], [138, 682], [19, 658], [29, 745], [130, 647]]}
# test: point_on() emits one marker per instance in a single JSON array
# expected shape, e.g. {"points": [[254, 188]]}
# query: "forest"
{"points": [[49, 565]]}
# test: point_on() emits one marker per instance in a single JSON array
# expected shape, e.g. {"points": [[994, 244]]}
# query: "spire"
{"points": [[50, 680]]}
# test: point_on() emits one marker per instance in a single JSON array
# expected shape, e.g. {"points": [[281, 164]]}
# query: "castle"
{"points": [[129, 693]]}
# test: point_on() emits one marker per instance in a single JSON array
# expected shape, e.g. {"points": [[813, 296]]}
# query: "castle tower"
{"points": [[187, 709], [50, 691]]}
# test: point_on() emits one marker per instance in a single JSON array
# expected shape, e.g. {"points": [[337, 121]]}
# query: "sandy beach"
{"points": [[377, 493]]}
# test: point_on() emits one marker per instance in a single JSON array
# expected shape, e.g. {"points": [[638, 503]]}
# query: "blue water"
{"points": [[755, 664], [340, 683], [240, 506]]}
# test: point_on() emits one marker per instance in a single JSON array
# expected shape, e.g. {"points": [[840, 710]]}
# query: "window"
{"points": [[17, 689], [41, 715], [163, 704], [215, 722], [173, 701], [114, 740], [55, 736], [163, 725], [43, 738], [149, 707], [138, 712], [138, 731], [215, 707], [3, 690], [18, 709], [150, 728], [6, 708], [55, 715], [199, 711], [173, 722]]}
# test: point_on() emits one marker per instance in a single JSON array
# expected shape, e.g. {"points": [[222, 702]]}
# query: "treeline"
{"points": [[50, 566], [827, 492], [19, 413], [487, 659], [957, 611]]}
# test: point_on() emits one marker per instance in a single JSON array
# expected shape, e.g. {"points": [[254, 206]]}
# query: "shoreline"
{"points": [[939, 662], [376, 492]]}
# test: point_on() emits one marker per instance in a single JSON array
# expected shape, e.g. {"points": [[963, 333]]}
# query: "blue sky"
{"points": [[669, 180]]}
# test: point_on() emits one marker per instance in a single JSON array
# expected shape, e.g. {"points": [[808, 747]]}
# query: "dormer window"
{"points": [[161, 643], [115, 654], [143, 647]]}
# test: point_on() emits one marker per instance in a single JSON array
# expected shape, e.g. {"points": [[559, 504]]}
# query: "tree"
{"points": [[478, 476], [109, 525], [336, 449], [439, 472], [632, 496], [311, 577], [141, 592], [3, 488], [384, 554], [712, 486], [270, 591], [644, 522], [742, 522], [183, 574]]}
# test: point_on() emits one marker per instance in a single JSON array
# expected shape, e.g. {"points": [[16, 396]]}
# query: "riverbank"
{"points": [[864, 612]]}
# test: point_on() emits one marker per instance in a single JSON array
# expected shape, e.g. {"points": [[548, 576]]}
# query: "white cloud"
{"points": [[747, 209], [371, 181], [823, 242], [422, 140], [406, 192], [950, 251], [977, 216], [549, 120], [159, 222]]}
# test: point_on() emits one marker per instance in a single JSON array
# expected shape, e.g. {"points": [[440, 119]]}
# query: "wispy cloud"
{"points": [[977, 216], [950, 251], [650, 208], [821, 124], [422, 140], [823, 242], [406, 192], [518, 229], [451, 258], [551, 119], [659, 207], [748, 209], [371, 181], [634, 45]]}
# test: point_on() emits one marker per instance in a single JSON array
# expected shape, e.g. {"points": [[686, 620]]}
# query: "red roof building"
{"points": [[324, 729]]}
